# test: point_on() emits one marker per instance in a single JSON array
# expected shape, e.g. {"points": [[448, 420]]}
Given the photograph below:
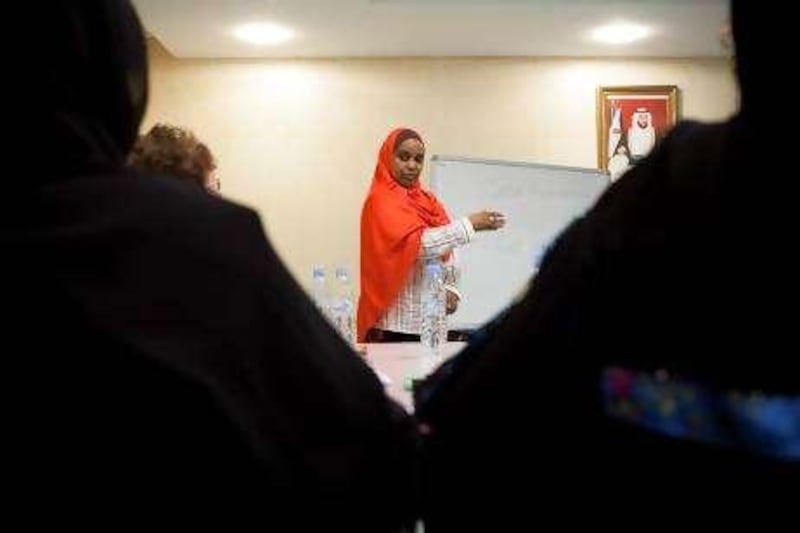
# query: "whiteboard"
{"points": [[539, 201]]}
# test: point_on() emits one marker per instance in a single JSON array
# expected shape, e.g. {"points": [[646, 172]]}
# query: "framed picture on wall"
{"points": [[630, 121]]}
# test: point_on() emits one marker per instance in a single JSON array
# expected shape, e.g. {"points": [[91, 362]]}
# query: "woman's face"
{"points": [[407, 162]]}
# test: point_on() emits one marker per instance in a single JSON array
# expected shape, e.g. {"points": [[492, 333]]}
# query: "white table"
{"points": [[402, 361]]}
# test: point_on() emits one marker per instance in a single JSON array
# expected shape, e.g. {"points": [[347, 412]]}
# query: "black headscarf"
{"points": [[87, 89], [759, 32]]}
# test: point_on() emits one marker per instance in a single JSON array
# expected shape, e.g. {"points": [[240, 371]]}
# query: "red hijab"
{"points": [[392, 221]]}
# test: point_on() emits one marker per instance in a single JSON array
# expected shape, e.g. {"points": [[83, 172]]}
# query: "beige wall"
{"points": [[297, 139]]}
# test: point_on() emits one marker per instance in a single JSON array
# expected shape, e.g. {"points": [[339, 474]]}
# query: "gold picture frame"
{"points": [[632, 118]]}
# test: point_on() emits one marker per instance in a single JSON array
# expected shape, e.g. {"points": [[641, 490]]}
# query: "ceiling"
{"points": [[381, 28]]}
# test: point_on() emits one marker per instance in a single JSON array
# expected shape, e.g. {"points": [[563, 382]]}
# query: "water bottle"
{"points": [[342, 307], [319, 290], [433, 329]]}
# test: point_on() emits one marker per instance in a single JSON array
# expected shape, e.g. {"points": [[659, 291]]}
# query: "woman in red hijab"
{"points": [[401, 224]]}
